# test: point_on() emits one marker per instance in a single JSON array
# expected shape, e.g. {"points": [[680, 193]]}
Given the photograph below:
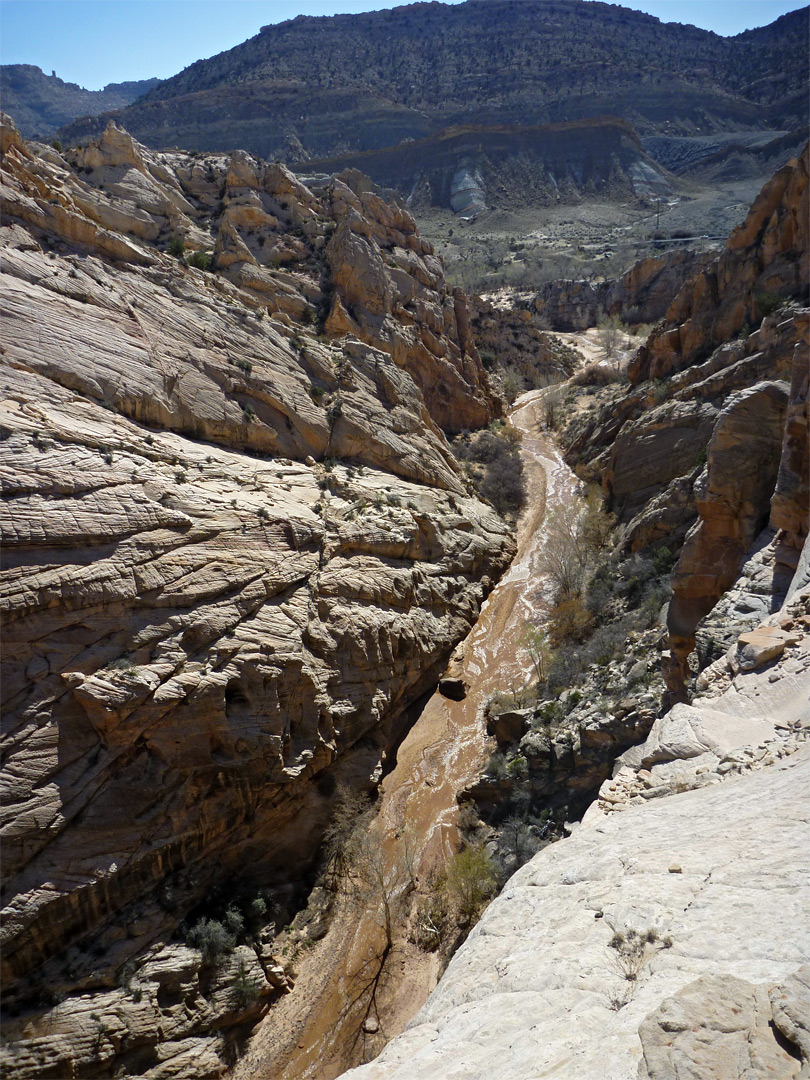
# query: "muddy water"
{"points": [[313, 1033]]}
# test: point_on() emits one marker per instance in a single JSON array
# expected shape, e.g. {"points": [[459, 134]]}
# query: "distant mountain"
{"points": [[321, 87], [40, 103]]}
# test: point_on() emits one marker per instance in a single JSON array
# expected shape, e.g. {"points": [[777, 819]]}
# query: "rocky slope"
{"points": [[470, 168], [668, 936], [40, 103], [708, 446], [237, 549], [313, 87]]}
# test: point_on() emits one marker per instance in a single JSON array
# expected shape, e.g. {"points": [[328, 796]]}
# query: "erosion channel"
{"points": [[360, 984]]}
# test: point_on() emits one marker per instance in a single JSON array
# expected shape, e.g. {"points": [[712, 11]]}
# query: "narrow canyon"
{"points": [[389, 684]]}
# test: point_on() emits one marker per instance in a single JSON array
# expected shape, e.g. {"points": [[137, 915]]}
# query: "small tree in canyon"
{"points": [[609, 333]]}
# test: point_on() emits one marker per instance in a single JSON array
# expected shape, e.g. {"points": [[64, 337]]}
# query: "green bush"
{"points": [[244, 990], [767, 303], [176, 247], [212, 939], [201, 260], [471, 880]]}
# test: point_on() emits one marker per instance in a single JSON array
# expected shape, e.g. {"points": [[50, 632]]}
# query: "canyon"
{"points": [[240, 555], [645, 944]]}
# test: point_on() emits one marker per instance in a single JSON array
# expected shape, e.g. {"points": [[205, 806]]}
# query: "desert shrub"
{"points": [[554, 408], [595, 375], [212, 939], [664, 560], [767, 303], [234, 922], [519, 839], [537, 644], [512, 383], [609, 335], [471, 880], [244, 990], [564, 669], [502, 481], [334, 411], [504, 485], [597, 523], [568, 621], [497, 766], [201, 260], [606, 643], [176, 247]]}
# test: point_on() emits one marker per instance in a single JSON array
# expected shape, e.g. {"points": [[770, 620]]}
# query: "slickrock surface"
{"points": [[660, 942], [236, 550]]}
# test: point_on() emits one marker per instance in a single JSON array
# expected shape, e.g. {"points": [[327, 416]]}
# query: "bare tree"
{"points": [[609, 333], [565, 553]]}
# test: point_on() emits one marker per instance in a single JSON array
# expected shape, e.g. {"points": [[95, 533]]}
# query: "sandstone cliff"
{"points": [[237, 549], [708, 446], [642, 295]]}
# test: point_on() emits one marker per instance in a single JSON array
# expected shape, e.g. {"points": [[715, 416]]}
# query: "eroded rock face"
{"points": [[708, 447], [766, 257], [732, 501], [641, 295], [235, 552]]}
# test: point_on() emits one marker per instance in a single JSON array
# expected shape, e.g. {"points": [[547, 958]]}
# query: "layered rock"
{"points": [[513, 339], [712, 432], [322, 86], [235, 552], [642, 295], [766, 258]]}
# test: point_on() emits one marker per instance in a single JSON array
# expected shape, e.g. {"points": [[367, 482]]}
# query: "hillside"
{"points": [[40, 103], [325, 86]]}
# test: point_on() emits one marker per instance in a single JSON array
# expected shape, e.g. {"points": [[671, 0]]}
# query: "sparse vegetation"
{"points": [[212, 938], [497, 467], [244, 989], [201, 260]]}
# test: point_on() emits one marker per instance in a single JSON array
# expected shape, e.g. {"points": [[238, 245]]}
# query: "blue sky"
{"points": [[94, 42]]}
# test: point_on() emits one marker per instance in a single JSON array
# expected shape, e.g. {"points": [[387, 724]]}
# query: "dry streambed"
{"points": [[327, 1024]]}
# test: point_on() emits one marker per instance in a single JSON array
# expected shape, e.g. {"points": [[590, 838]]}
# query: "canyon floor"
{"points": [[329, 1021]]}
